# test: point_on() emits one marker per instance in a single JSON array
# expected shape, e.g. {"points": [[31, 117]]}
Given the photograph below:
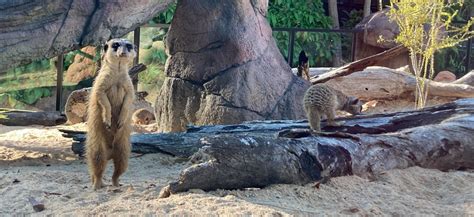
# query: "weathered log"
{"points": [[359, 65], [11, 117], [241, 161], [385, 83], [260, 153]]}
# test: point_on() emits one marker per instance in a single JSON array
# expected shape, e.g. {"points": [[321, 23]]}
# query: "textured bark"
{"points": [[334, 14], [441, 138], [224, 68], [26, 118], [32, 29], [385, 83], [367, 4], [260, 153]]}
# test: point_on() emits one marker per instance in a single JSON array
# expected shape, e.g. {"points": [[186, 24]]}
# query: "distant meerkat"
{"points": [[303, 66], [143, 117], [321, 99], [109, 112]]}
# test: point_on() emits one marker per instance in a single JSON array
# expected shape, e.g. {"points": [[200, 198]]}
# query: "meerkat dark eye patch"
{"points": [[115, 46], [129, 47]]}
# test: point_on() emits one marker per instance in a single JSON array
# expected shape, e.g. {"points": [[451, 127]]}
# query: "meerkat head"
{"points": [[353, 105], [119, 50]]}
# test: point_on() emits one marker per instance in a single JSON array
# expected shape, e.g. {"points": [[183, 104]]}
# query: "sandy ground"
{"points": [[37, 162]]}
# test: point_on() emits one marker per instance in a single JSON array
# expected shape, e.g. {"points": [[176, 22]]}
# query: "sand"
{"points": [[37, 162]]}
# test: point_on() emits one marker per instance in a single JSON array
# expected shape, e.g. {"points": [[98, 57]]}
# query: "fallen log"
{"points": [[359, 65], [246, 160], [384, 83], [260, 153], [12, 117]]}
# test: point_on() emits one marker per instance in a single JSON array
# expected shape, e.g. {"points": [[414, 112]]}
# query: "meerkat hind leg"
{"points": [[120, 159], [314, 119], [120, 165], [330, 119], [97, 172]]}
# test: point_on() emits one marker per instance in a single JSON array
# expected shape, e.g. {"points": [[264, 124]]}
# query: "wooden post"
{"points": [[468, 54], [59, 81], [136, 41], [353, 49], [291, 46]]}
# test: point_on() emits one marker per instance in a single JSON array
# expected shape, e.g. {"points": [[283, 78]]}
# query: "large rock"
{"points": [[82, 67], [32, 29], [368, 41], [224, 68]]}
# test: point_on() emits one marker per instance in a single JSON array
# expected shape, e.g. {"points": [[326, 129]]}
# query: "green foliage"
{"points": [[154, 74], [302, 14], [165, 16], [353, 18], [30, 96], [451, 59], [155, 56]]}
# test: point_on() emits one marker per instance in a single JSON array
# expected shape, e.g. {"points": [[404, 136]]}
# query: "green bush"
{"points": [[302, 14]]}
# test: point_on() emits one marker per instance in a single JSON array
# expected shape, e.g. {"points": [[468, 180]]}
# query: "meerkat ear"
{"points": [[354, 100], [106, 46]]}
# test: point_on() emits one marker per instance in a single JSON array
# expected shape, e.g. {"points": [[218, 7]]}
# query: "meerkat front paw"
{"points": [[121, 122], [107, 122]]}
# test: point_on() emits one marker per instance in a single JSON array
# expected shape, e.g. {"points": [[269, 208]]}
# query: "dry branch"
{"points": [[359, 65]]}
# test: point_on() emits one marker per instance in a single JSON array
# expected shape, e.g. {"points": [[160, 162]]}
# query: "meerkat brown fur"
{"points": [[320, 99], [109, 113]]}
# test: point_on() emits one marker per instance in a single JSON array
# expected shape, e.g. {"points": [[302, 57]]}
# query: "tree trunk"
{"points": [[333, 13], [32, 29], [223, 66], [11, 117], [367, 4]]}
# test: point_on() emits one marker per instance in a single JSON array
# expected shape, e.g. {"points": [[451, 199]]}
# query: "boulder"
{"points": [[32, 29], [445, 77], [224, 68], [82, 67]]}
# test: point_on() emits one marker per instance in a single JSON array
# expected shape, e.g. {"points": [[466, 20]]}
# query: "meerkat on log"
{"points": [[321, 99], [109, 113]]}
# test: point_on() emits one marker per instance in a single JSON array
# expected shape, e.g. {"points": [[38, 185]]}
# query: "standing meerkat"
{"points": [[109, 113], [320, 99]]}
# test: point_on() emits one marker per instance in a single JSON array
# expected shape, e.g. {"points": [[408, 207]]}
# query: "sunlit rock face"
{"points": [[224, 68]]}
